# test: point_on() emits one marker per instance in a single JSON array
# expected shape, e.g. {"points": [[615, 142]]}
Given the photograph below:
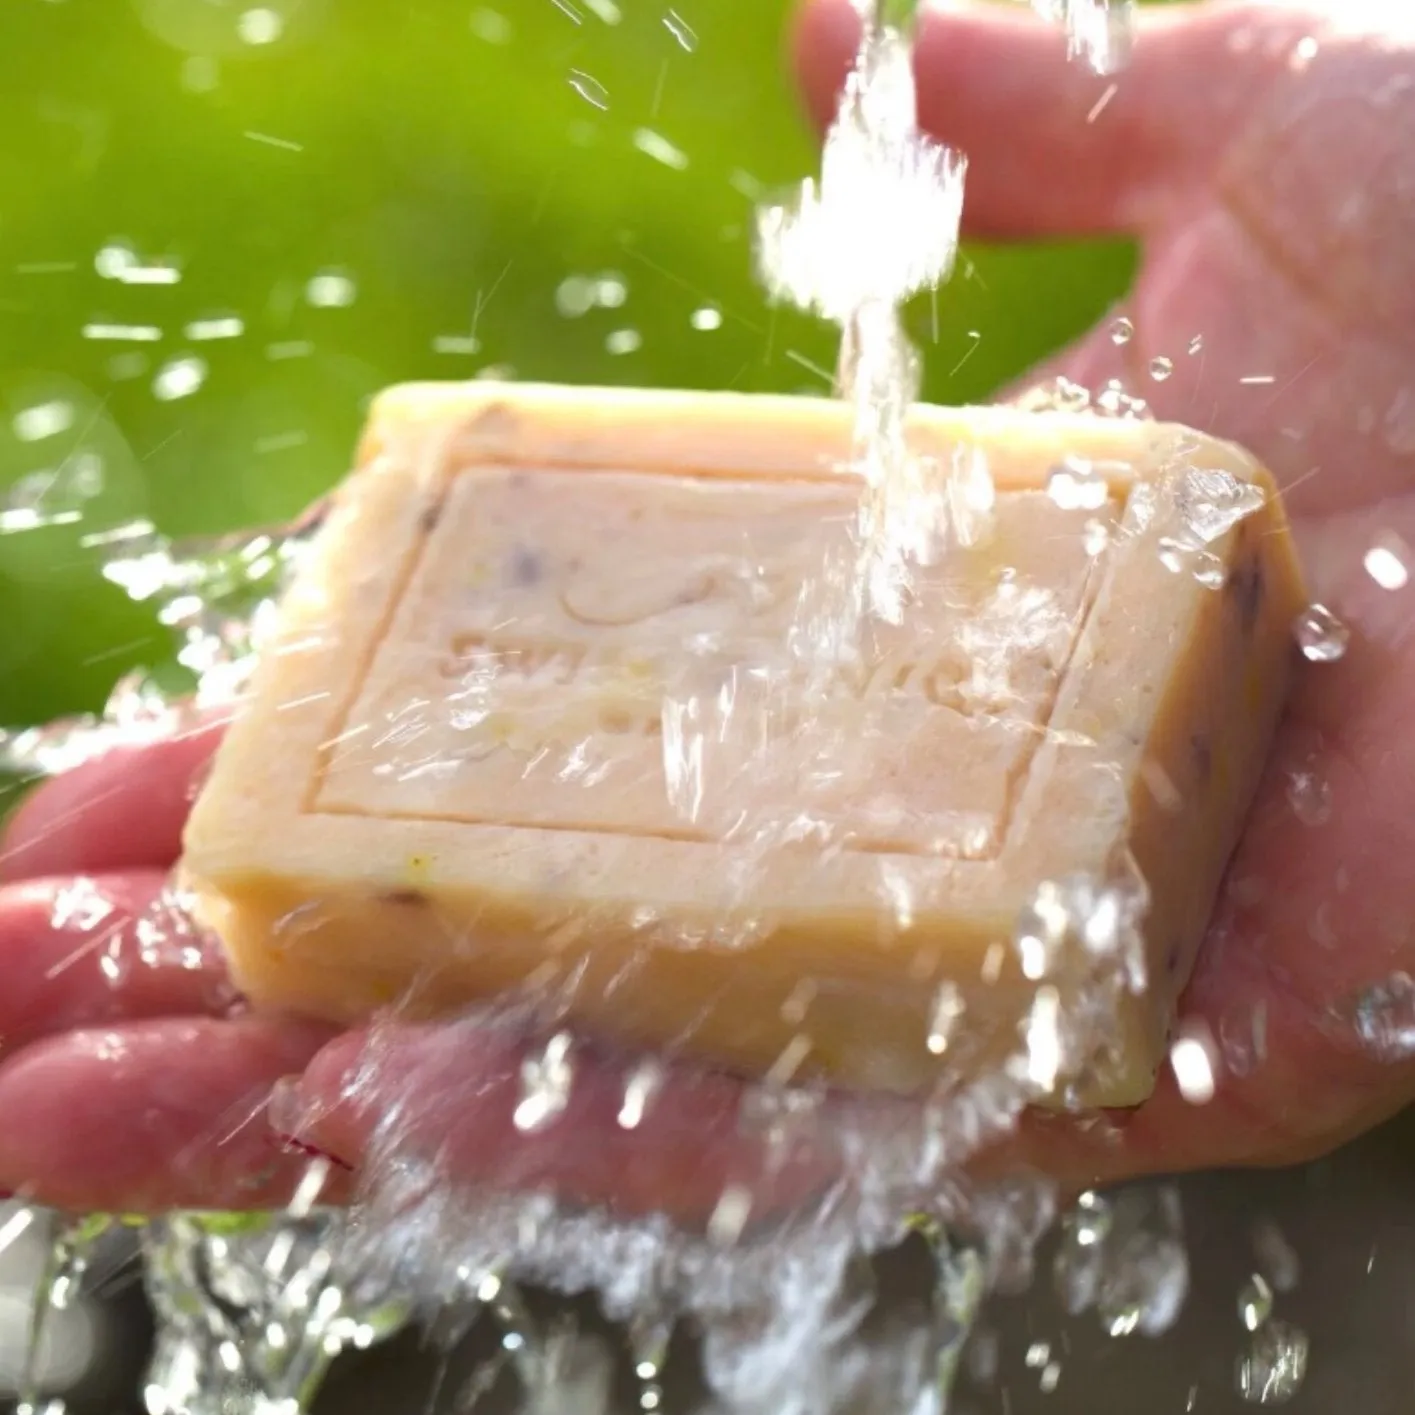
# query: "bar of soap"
{"points": [[514, 734]]}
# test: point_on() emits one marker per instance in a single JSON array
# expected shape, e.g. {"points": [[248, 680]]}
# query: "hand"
{"points": [[133, 1080], [1260, 154], [1276, 203]]}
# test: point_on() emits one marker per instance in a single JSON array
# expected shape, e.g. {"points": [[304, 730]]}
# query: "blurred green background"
{"points": [[356, 192]]}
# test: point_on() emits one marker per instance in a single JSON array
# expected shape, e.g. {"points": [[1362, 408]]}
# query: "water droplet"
{"points": [[1212, 503], [491, 26], [157, 273], [656, 146], [1122, 331], [575, 296], [545, 1084], [217, 327], [1203, 566], [289, 349], [123, 333], [1385, 1018], [1114, 402], [1309, 794], [1058, 395], [623, 341], [1255, 1302], [1050, 1377], [639, 1090], [114, 260], [44, 420], [1194, 1057], [1196, 345], [465, 344], [1044, 1041], [1100, 31], [1272, 1370], [1321, 636], [729, 1216], [948, 1008], [200, 73], [1076, 486], [610, 291], [589, 88], [1095, 537], [1276, 1256], [1161, 368], [1388, 561], [648, 1344], [331, 289], [125, 366], [260, 26], [1124, 1257], [179, 378], [706, 319], [1038, 1354], [681, 30]]}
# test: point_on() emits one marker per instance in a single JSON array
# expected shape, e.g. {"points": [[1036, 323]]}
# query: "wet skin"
{"points": [[1257, 152]]}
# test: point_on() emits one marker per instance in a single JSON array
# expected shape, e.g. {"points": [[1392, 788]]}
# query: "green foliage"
{"points": [[456, 162]]}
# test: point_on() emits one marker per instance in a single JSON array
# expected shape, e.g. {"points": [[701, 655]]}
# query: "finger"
{"points": [[455, 1098], [123, 810], [1302, 996], [88, 951], [151, 1116], [1053, 148]]}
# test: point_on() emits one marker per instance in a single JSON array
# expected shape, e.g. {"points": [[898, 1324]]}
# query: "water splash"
{"points": [[1321, 636], [1385, 1018], [71, 1248], [1273, 1368], [252, 1310], [1124, 1257]]}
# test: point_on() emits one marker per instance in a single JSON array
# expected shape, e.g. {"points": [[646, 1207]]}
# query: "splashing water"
{"points": [[253, 1310]]}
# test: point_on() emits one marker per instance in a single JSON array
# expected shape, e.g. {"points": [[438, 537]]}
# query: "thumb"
{"points": [[1054, 149]]}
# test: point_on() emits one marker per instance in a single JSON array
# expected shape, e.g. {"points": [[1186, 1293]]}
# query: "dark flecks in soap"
{"points": [[405, 898], [1203, 756], [432, 514], [523, 567], [1244, 587]]}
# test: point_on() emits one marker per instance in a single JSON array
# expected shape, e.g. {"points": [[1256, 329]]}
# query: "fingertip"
{"points": [[145, 1117], [123, 809]]}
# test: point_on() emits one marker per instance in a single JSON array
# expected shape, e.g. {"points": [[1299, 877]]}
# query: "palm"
{"points": [[1276, 204]]}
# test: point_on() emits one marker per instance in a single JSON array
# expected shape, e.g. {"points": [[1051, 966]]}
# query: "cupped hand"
{"points": [[1258, 153]]}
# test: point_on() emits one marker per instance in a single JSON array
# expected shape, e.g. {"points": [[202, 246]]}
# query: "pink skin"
{"points": [[1271, 184]]}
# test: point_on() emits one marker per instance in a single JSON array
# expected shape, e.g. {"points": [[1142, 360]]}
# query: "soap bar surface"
{"points": [[537, 719]]}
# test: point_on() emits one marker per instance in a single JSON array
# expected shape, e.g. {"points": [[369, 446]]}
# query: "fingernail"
{"points": [[293, 1145]]}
